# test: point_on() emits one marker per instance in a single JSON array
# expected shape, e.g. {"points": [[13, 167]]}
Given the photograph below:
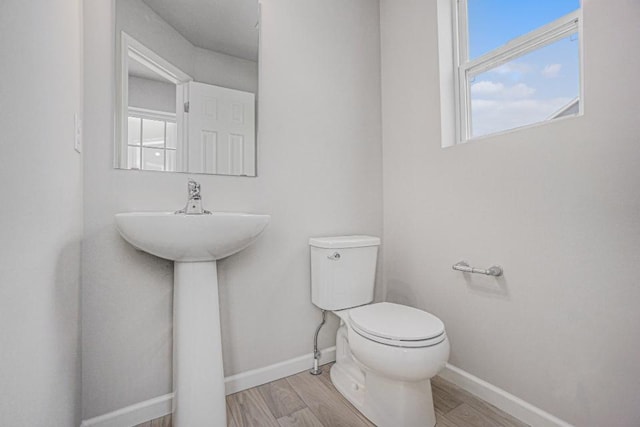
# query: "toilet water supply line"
{"points": [[316, 354]]}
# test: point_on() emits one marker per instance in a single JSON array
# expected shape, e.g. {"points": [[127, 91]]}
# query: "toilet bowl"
{"points": [[386, 354], [385, 372]]}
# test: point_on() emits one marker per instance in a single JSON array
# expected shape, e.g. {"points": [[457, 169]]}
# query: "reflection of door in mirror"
{"points": [[221, 130], [186, 88]]}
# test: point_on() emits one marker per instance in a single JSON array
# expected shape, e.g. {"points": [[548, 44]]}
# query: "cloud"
{"points": [[520, 90], [487, 88], [512, 68], [495, 115], [551, 71]]}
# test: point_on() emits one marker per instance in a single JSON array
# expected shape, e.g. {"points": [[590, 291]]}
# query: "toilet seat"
{"points": [[397, 325]]}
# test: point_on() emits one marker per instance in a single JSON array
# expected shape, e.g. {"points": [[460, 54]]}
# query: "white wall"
{"points": [[557, 206], [224, 70], [319, 173], [41, 215], [152, 94]]}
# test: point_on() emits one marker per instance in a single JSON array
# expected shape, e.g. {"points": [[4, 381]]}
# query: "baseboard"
{"points": [[256, 377], [134, 414], [501, 399], [161, 406]]}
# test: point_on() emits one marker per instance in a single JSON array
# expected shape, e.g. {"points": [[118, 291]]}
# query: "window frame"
{"points": [[161, 116], [465, 70]]}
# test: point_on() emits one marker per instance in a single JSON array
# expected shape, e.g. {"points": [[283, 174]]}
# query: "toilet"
{"points": [[386, 354]]}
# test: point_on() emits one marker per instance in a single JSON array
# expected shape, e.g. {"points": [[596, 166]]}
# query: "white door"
{"points": [[221, 129]]}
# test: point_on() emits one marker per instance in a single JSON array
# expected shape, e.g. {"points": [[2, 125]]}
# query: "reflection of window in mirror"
{"points": [[151, 143], [151, 124]]}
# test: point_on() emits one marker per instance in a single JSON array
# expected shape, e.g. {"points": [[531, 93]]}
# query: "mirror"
{"points": [[187, 80]]}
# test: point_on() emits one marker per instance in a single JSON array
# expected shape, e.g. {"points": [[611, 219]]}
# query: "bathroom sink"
{"points": [[195, 242], [190, 238]]}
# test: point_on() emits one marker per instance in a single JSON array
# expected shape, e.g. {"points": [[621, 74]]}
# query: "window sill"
{"points": [[511, 131]]}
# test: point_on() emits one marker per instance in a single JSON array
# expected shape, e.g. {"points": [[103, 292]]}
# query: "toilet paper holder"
{"points": [[494, 270]]}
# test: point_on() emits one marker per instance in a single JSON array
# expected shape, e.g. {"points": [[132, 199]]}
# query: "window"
{"points": [[151, 141], [517, 63]]}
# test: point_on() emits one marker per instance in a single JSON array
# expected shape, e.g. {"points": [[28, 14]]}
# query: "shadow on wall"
{"points": [[490, 286], [66, 321], [400, 292]]}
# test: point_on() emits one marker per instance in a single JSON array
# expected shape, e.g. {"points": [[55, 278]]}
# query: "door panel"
{"points": [[221, 130]]}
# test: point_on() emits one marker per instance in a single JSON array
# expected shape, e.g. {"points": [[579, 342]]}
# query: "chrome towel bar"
{"points": [[494, 270]]}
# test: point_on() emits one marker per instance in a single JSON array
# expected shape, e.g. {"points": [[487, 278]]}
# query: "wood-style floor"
{"points": [[304, 400]]}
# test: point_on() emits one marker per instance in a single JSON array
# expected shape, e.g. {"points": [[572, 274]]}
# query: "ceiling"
{"points": [[225, 26]]}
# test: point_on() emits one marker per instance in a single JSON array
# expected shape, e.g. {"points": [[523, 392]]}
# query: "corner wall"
{"points": [[41, 214], [557, 206], [319, 173]]}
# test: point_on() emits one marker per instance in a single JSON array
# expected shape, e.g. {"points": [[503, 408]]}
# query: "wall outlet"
{"points": [[77, 141]]}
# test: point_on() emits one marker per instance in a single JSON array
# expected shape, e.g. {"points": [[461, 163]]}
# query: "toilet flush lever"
{"points": [[335, 256]]}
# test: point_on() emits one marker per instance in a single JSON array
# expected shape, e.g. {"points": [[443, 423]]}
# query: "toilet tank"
{"points": [[343, 270]]}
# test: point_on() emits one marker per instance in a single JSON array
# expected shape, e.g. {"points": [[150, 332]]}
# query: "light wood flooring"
{"points": [[304, 400]]}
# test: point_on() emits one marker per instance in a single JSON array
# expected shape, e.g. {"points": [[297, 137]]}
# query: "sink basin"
{"points": [[190, 238], [195, 243]]}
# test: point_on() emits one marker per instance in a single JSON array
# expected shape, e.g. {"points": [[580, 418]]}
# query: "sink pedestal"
{"points": [[198, 376], [194, 242]]}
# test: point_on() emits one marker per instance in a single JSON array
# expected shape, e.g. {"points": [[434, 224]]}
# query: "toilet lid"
{"points": [[396, 322]]}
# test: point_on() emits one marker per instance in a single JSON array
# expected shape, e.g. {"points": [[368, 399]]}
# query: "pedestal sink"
{"points": [[194, 242]]}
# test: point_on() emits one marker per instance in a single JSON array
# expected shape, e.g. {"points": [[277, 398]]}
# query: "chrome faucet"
{"points": [[194, 203]]}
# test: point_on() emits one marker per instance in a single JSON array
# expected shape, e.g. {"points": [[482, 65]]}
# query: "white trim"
{"points": [[581, 60], [256, 377], [134, 414], [447, 51], [461, 55], [147, 57], [501, 399], [152, 114], [161, 406]]}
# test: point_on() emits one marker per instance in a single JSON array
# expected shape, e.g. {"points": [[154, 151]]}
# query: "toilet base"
{"points": [[387, 403]]}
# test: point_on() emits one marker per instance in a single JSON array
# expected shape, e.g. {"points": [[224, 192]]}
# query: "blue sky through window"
{"points": [[528, 89], [492, 23]]}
